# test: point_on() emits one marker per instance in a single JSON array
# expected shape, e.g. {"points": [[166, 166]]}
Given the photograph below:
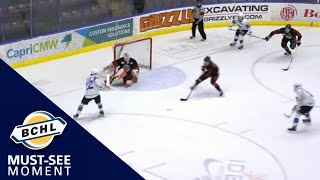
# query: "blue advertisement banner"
{"points": [[107, 32]]}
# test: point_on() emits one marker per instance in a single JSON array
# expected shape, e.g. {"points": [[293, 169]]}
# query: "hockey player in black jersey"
{"points": [[210, 69], [289, 35]]}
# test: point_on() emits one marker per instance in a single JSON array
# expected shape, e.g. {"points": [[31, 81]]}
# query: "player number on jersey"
{"points": [[90, 84]]}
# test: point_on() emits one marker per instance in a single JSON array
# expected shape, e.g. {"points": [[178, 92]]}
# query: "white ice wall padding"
{"points": [[138, 49]]}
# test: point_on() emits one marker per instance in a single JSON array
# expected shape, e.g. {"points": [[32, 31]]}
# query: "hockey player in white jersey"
{"points": [[305, 103], [244, 28], [93, 86]]}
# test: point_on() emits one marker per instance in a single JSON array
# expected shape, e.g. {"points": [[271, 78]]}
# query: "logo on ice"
{"points": [[38, 130]]}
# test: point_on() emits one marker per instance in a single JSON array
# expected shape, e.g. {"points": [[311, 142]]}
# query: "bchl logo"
{"points": [[38, 130]]}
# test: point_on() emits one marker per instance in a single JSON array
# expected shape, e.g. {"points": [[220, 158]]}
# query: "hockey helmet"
{"points": [[199, 2], [240, 16], [287, 29], [207, 60], [296, 86], [94, 71]]}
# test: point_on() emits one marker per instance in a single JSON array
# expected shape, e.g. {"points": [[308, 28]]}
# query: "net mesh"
{"points": [[138, 49]]}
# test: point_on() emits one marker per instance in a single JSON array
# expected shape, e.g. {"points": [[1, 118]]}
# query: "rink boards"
{"points": [[55, 46]]}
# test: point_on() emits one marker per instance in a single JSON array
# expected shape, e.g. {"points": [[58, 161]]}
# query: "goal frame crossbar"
{"points": [[127, 42]]}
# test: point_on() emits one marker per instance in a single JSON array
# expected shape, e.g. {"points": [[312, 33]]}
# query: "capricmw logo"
{"points": [[34, 48], [67, 39], [38, 130]]}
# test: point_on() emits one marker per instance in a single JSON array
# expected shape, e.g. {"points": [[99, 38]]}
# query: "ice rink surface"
{"points": [[241, 136]]}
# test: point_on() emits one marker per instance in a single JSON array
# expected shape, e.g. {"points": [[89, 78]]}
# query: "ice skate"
{"points": [[306, 120], [287, 53], [292, 129], [233, 43]]}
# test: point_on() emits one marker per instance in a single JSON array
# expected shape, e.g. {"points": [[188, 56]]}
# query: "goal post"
{"points": [[138, 49]]}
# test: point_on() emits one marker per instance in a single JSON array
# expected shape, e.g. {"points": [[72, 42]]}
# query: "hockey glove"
{"points": [[299, 43], [267, 38], [295, 108], [194, 86]]}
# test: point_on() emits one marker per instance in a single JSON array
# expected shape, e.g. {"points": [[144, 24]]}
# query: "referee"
{"points": [[198, 13]]}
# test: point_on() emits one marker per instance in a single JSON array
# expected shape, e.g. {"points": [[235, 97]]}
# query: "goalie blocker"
{"points": [[123, 70]]}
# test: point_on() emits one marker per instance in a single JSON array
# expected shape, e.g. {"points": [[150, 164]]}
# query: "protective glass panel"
{"points": [[119, 8], [17, 24], [95, 11], [44, 16], [71, 14]]}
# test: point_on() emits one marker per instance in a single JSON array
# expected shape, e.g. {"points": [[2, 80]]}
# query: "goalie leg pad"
{"points": [[122, 75], [117, 76]]}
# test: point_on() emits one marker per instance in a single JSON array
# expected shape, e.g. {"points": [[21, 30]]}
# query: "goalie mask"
{"points": [[126, 57]]}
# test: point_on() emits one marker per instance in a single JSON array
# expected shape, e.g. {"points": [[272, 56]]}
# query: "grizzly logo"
{"points": [[166, 19]]}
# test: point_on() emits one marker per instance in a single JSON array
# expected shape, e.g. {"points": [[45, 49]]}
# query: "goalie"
{"points": [[125, 69]]}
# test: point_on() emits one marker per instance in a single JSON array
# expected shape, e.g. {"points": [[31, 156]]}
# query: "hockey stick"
{"points": [[257, 37], [251, 35], [292, 55], [288, 116], [292, 111], [286, 69], [185, 99]]}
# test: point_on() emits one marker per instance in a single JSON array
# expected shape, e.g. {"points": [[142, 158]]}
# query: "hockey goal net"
{"points": [[138, 49]]}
